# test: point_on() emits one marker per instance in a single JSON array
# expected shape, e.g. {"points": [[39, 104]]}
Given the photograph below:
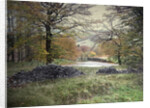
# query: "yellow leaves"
{"points": [[21, 41], [107, 48], [44, 52], [92, 54]]}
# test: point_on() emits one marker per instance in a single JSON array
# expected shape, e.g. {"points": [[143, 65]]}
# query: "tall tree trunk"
{"points": [[18, 54], [12, 52], [28, 55], [48, 44], [119, 59], [22, 53]]}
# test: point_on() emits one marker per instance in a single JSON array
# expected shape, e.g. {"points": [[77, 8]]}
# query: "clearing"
{"points": [[89, 88]]}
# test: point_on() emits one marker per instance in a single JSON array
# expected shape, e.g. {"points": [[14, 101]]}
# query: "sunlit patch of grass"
{"points": [[89, 88]]}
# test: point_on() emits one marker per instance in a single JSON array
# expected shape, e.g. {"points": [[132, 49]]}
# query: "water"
{"points": [[93, 64]]}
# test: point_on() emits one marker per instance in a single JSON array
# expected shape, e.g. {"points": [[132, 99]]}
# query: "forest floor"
{"points": [[90, 88]]}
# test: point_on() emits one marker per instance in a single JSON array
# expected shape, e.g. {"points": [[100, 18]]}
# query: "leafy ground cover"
{"points": [[90, 88]]}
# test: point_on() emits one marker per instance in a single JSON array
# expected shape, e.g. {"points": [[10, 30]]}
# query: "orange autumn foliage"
{"points": [[66, 48]]}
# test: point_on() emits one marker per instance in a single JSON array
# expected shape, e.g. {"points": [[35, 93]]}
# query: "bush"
{"points": [[92, 54], [113, 59], [132, 61]]}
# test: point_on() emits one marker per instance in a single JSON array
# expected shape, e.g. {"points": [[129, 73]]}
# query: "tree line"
{"points": [[44, 31], [32, 24], [125, 42]]}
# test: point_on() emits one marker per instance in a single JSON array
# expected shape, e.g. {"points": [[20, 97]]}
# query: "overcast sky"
{"points": [[98, 11]]}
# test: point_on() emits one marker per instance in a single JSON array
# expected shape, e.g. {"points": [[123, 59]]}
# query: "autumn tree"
{"points": [[112, 31], [51, 17], [133, 44], [126, 33], [122, 32], [112, 48], [64, 48], [43, 18], [10, 32], [115, 29], [19, 32]]}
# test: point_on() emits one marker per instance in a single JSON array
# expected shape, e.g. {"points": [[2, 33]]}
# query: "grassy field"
{"points": [[90, 88]]}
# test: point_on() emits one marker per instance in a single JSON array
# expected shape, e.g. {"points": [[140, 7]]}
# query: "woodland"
{"points": [[49, 45]]}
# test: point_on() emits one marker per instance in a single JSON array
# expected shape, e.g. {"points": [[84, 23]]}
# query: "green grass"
{"points": [[90, 88], [62, 61], [13, 68]]}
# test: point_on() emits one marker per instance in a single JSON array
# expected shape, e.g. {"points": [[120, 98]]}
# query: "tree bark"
{"points": [[12, 52], [48, 44], [119, 59], [28, 55]]}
